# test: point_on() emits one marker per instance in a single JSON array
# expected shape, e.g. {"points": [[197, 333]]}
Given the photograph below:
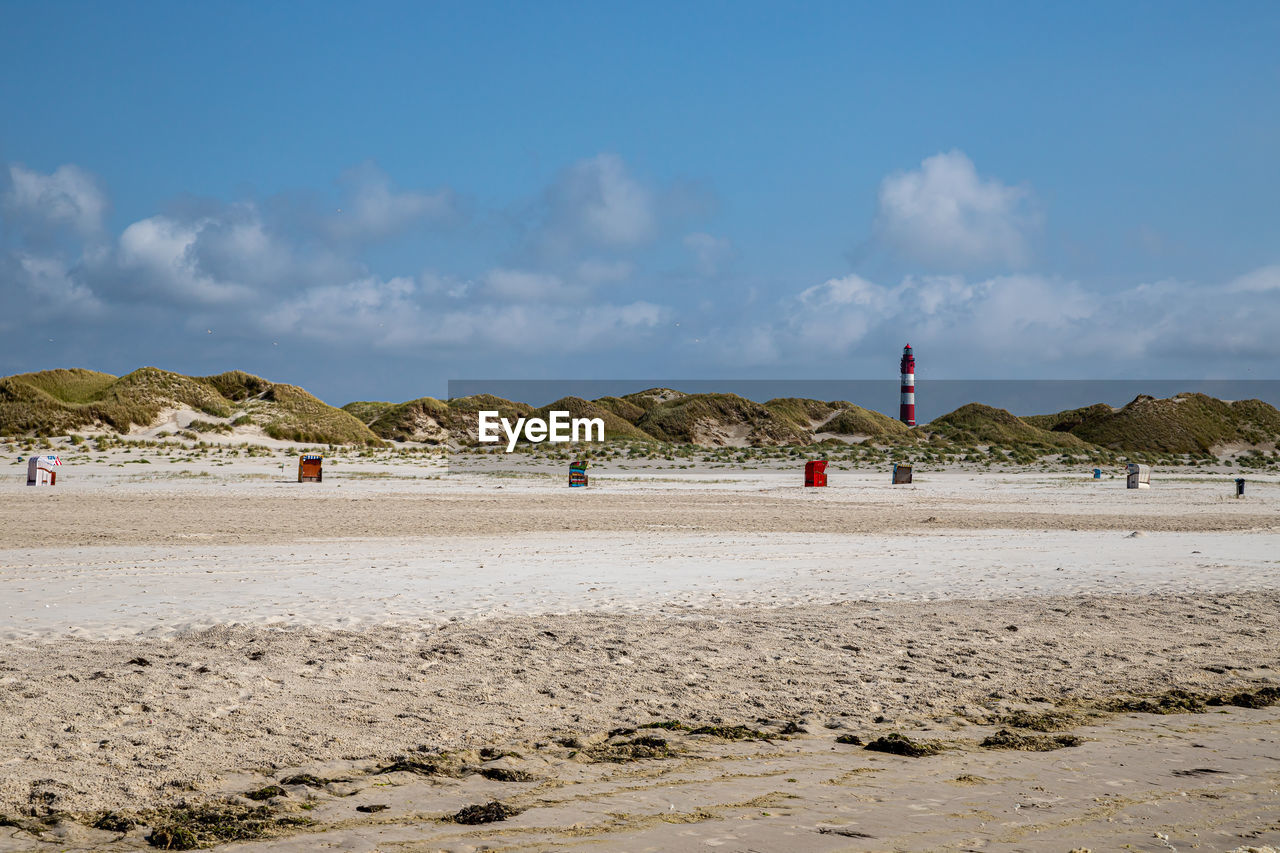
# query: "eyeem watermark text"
{"points": [[559, 428]]}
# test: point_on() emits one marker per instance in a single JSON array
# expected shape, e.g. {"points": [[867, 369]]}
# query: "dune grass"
{"points": [[58, 402]]}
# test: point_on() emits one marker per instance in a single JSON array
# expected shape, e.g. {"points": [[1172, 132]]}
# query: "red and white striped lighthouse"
{"points": [[907, 409]]}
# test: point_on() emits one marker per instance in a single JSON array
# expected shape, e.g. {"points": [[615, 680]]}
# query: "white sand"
{"points": [[120, 591], [512, 610]]}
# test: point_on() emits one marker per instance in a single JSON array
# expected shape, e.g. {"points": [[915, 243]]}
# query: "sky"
{"points": [[369, 201]]}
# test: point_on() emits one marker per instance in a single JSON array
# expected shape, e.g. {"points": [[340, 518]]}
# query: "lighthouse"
{"points": [[907, 408]]}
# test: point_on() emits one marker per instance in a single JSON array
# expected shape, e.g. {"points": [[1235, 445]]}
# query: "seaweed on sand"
{"points": [[423, 767], [194, 826], [1263, 697], [267, 793], [898, 744], [506, 774], [1184, 702], [487, 813], [731, 732], [669, 725], [1045, 721], [1005, 739], [636, 749], [114, 821], [738, 732], [1171, 702], [308, 779]]}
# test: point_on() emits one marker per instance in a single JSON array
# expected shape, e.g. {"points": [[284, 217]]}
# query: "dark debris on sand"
{"points": [[486, 813], [1005, 739], [506, 774], [267, 793], [195, 826], [1045, 721], [898, 744], [736, 732], [635, 749], [423, 767], [1185, 702]]}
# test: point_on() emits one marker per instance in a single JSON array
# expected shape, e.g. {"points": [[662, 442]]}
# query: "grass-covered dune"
{"points": [[1186, 423], [425, 419], [720, 419], [838, 419], [58, 402], [978, 424], [433, 421], [615, 426]]}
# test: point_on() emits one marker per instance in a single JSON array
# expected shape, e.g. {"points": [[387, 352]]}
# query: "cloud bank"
{"points": [[601, 274]]}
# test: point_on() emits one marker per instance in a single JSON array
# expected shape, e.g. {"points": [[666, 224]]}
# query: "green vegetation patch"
{"points": [[838, 417], [289, 413], [616, 427], [624, 409], [979, 424], [267, 793], [718, 418], [58, 402], [425, 419], [802, 411], [75, 385], [1185, 424], [652, 397]]}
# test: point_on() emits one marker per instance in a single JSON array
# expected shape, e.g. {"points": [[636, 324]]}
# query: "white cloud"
{"points": [[159, 250], [69, 197], [366, 312], [400, 314], [525, 286], [592, 272], [1006, 324], [945, 215], [245, 267], [709, 253], [596, 203], [229, 255], [1262, 280], [49, 286], [372, 210]]}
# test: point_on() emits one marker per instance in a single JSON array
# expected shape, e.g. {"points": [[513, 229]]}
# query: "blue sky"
{"points": [[371, 201]]}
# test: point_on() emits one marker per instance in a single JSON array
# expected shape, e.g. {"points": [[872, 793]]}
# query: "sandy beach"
{"points": [[400, 636]]}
